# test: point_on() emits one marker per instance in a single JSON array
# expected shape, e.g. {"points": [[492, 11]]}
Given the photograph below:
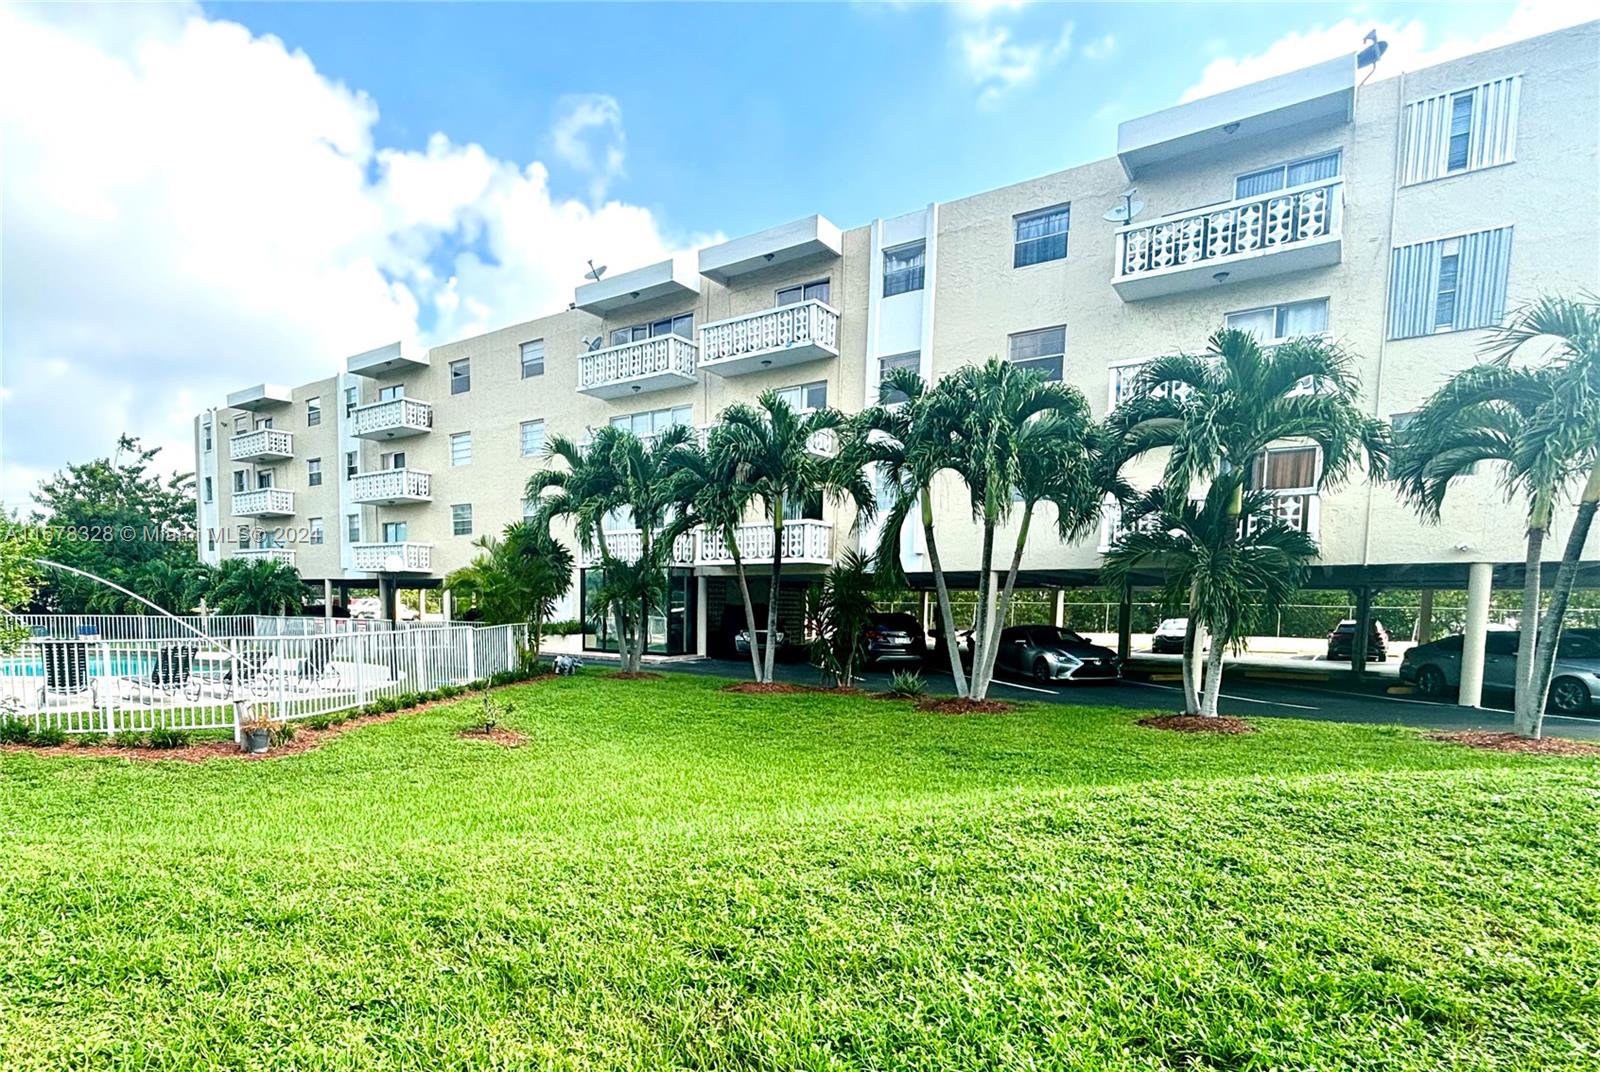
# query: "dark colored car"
{"points": [[936, 650], [1344, 635], [1435, 668], [1050, 653], [895, 638]]}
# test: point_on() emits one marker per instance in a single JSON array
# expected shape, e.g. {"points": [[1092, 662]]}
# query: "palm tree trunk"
{"points": [[1213, 683], [1527, 643], [947, 617], [618, 613], [983, 624], [1005, 593], [772, 596], [1191, 642], [1560, 593], [730, 537]]}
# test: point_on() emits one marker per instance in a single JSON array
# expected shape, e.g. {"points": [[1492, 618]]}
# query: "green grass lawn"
{"points": [[666, 875]]}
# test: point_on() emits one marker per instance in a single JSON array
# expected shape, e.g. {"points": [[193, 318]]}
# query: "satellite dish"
{"points": [[592, 344], [1130, 207], [1369, 56], [594, 273]]}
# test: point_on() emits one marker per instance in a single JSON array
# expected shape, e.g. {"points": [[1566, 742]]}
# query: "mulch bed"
{"points": [[1197, 724], [765, 688], [498, 735], [956, 706], [1510, 742]]}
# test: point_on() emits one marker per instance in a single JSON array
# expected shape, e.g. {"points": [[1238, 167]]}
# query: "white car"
{"points": [[1169, 636]]}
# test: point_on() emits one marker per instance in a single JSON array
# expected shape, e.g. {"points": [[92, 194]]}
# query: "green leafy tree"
{"points": [[257, 586], [517, 578], [20, 547], [173, 584], [1216, 415]]}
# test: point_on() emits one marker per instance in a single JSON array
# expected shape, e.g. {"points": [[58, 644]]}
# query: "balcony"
{"points": [[627, 544], [391, 487], [261, 445], [804, 542], [266, 554], [263, 502], [1253, 238], [635, 367], [1298, 509], [402, 557], [396, 418], [824, 444], [773, 338]]}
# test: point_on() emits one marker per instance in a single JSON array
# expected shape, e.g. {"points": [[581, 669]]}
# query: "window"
{"points": [[352, 527], [314, 472], [1449, 285], [211, 539], [1285, 469], [208, 489], [314, 524], [461, 519], [1399, 422], [1041, 236], [806, 509], [264, 478], [394, 532], [244, 537], [391, 392], [460, 376], [806, 396], [1279, 176], [1577, 646], [1275, 323], [393, 460], [902, 269], [205, 434], [263, 422], [313, 412], [239, 480], [533, 358], [352, 399], [1453, 133], [241, 425], [818, 291], [461, 448], [651, 421], [532, 438], [1043, 351], [681, 325], [888, 364], [351, 463]]}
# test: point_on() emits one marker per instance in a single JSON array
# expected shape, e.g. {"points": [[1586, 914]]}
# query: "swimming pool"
{"points": [[116, 664]]}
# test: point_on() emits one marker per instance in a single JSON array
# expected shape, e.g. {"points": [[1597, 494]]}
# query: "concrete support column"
{"points": [[925, 609], [447, 604], [327, 597], [1480, 583], [1358, 640], [1061, 607], [701, 640], [1424, 631], [1125, 623], [386, 606]]}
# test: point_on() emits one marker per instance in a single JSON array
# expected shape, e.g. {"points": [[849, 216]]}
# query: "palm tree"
{"points": [[1485, 413], [517, 578], [909, 442], [1216, 415], [713, 494], [842, 605], [257, 586], [772, 446], [1227, 555], [174, 587]]}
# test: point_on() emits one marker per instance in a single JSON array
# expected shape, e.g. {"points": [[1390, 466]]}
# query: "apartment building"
{"points": [[1400, 215]]}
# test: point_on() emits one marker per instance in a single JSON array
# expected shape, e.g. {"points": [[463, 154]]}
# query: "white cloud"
{"points": [[1409, 49], [189, 209], [588, 136], [1100, 47], [997, 63]]}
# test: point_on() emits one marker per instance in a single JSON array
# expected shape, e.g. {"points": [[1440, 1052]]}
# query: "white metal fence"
{"points": [[161, 627], [106, 685]]}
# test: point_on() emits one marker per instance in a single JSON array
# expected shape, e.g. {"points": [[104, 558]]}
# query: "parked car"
{"points": [[1343, 637], [1169, 636], [1435, 668], [741, 640], [1051, 653], [735, 633], [894, 637], [936, 652]]}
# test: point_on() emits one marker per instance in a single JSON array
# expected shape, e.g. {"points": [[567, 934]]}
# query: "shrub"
{"points": [[494, 712], [127, 738], [282, 733], [167, 737], [89, 740], [14, 731], [564, 628], [408, 699], [50, 736], [907, 684], [477, 686], [321, 722]]}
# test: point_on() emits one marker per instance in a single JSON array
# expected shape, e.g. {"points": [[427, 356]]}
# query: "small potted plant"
{"points": [[257, 729]]}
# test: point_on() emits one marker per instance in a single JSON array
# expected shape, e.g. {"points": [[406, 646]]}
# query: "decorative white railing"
{"points": [[260, 443], [1125, 377], [626, 545], [263, 502], [824, 443], [1249, 226], [162, 627], [395, 414], [636, 360], [383, 485], [1298, 509], [375, 557], [807, 322], [803, 541], [269, 554]]}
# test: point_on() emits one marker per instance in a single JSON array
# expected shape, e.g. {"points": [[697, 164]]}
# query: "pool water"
{"points": [[120, 664]]}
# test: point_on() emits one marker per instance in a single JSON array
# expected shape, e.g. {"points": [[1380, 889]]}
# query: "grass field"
{"points": [[666, 875]]}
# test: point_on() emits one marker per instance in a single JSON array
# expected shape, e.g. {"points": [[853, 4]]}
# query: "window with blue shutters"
{"points": [[1450, 284]]}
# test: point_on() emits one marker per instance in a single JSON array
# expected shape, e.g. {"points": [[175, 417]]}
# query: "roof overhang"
{"points": [[809, 237], [261, 396], [674, 277], [385, 360]]}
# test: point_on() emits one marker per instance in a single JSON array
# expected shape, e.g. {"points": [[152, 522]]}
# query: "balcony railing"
{"points": [[392, 487], [261, 445], [773, 338], [1251, 238], [263, 502], [824, 444], [803, 542], [395, 418], [626, 545], [1298, 509], [647, 365], [270, 554], [402, 557]]}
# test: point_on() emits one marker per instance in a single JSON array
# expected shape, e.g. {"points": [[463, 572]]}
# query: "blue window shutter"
{"points": [[1413, 289], [1485, 267]]}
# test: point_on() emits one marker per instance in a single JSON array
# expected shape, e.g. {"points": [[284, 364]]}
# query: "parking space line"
{"points": [[1029, 688], [1229, 696]]}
